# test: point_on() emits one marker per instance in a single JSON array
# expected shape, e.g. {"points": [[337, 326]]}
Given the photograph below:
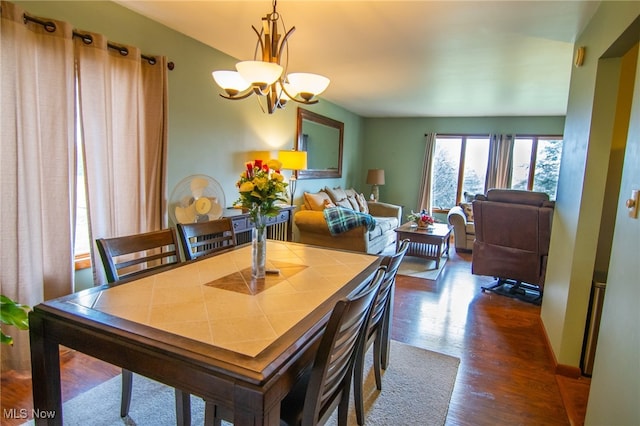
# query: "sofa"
{"points": [[313, 228], [464, 232]]}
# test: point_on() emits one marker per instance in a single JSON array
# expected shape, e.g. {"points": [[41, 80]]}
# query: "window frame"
{"points": [[463, 152], [463, 148], [534, 154]]}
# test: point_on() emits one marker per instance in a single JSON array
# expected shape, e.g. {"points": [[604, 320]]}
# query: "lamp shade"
{"points": [[375, 177], [230, 80], [293, 160], [259, 72], [308, 85]]}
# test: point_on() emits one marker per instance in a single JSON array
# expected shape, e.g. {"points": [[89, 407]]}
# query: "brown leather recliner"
{"points": [[513, 230]]}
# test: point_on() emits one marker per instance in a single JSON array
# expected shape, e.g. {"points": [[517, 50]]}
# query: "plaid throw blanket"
{"points": [[341, 219]]}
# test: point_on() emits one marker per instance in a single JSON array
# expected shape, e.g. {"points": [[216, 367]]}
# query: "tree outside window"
{"points": [[460, 165]]}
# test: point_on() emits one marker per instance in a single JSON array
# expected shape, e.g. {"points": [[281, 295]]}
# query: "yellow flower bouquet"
{"points": [[261, 186]]}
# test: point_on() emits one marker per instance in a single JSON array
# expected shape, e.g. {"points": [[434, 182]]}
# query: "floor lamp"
{"points": [[294, 161], [375, 177]]}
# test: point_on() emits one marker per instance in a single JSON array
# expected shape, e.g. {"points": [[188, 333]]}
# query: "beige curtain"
{"points": [[37, 161], [424, 196], [123, 103], [500, 165]]}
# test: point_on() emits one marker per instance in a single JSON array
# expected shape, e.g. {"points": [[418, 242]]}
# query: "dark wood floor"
{"points": [[505, 376]]}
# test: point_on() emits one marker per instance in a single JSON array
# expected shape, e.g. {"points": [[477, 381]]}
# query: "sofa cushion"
{"points": [[383, 224], [328, 203], [336, 194], [468, 197], [362, 203], [467, 209], [340, 198], [315, 201], [470, 228], [352, 196]]}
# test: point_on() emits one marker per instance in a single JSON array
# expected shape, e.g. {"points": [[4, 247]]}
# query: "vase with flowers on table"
{"points": [[261, 188], [421, 220]]}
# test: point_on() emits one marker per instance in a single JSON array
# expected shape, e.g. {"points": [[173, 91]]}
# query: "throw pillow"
{"points": [[352, 196], [351, 193], [362, 203], [315, 201], [468, 197], [337, 194], [344, 203], [328, 203], [467, 209]]}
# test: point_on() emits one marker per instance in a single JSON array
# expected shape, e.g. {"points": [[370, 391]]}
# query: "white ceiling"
{"points": [[408, 58]]}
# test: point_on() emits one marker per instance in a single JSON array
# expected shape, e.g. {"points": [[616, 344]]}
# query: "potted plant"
{"points": [[12, 313], [421, 219]]}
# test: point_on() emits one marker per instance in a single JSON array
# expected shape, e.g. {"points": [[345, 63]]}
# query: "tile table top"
{"points": [[215, 301]]}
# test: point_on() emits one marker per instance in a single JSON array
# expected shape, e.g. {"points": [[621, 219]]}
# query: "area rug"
{"points": [[416, 390], [421, 268]]}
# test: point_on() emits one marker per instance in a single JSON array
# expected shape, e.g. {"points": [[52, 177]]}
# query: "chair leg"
{"points": [[386, 337], [343, 407], [183, 408], [358, 372], [125, 402], [377, 358]]}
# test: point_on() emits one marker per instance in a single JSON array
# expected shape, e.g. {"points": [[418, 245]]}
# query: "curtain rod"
{"points": [[50, 27]]}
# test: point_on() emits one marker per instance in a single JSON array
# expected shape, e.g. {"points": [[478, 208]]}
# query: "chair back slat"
{"points": [[123, 257], [204, 238], [333, 366], [392, 263]]}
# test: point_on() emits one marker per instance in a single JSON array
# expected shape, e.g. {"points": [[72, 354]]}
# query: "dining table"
{"points": [[205, 327]]}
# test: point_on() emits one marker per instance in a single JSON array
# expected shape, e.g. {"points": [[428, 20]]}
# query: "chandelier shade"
{"points": [[231, 81], [308, 85], [259, 73], [266, 75]]}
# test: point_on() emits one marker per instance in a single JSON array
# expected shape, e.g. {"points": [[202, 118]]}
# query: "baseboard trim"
{"points": [[568, 371], [571, 385], [560, 369]]}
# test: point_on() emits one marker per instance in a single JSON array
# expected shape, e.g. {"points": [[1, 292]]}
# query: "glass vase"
{"points": [[259, 247]]}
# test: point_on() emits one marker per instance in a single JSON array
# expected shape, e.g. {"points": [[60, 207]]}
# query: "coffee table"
{"points": [[427, 243]]}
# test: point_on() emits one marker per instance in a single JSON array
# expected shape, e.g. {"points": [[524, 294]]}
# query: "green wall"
{"points": [[207, 134], [397, 146], [213, 136], [589, 136]]}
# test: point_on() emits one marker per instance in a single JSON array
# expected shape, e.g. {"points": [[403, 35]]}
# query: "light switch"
{"points": [[632, 203]]}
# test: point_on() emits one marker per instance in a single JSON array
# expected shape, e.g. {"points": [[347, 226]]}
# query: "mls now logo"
{"points": [[23, 413]]}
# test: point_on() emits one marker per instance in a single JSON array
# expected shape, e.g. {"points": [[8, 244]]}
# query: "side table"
{"points": [[425, 243]]}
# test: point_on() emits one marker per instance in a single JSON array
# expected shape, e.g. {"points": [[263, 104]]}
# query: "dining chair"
{"points": [[378, 330], [126, 257], [327, 383], [203, 238]]}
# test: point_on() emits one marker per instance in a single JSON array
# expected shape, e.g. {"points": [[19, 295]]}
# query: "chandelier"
{"points": [[266, 76]]}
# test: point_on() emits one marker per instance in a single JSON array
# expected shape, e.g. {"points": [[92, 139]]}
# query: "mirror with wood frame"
{"points": [[322, 138]]}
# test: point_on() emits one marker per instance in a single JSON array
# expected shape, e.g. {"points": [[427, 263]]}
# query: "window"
{"points": [[536, 164], [460, 165], [82, 244]]}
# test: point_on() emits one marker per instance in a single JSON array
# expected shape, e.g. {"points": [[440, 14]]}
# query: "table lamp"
{"points": [[293, 160], [375, 177]]}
